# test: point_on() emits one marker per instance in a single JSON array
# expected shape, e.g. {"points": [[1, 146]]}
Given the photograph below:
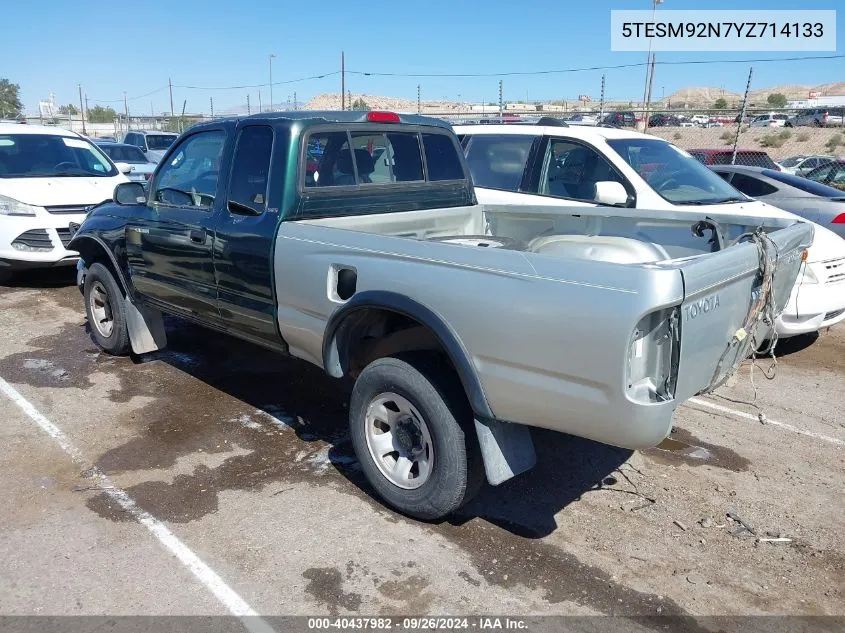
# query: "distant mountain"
{"points": [[706, 96]]}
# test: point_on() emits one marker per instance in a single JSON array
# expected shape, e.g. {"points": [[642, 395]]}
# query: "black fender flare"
{"points": [[401, 304], [100, 246]]}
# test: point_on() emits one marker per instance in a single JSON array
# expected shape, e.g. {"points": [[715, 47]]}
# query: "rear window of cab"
{"points": [[389, 156]]}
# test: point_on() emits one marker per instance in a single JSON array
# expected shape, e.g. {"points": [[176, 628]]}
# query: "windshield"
{"points": [[160, 141], [51, 155], [673, 174], [792, 161], [124, 153]]}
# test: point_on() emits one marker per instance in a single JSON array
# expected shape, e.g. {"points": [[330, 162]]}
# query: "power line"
{"points": [[589, 68], [152, 92], [264, 85]]}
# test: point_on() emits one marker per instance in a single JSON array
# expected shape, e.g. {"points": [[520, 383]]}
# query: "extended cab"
{"points": [[354, 241]]}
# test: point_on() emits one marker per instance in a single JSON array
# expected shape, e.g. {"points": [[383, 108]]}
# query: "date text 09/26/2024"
{"points": [[418, 623]]}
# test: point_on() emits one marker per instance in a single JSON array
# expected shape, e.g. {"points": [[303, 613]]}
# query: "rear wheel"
{"points": [[105, 311], [413, 433]]}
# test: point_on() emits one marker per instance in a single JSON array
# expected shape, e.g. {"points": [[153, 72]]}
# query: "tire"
{"points": [[416, 387], [105, 310]]}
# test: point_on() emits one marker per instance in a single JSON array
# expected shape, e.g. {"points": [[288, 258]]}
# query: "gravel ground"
{"points": [[803, 140], [243, 457]]}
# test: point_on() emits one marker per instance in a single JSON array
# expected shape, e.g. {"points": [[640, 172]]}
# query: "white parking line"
{"points": [[227, 596], [754, 418]]}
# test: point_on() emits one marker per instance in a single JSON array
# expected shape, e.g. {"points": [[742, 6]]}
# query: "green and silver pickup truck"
{"points": [[354, 241]]}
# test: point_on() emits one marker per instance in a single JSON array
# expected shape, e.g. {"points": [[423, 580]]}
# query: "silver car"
{"points": [[142, 168], [800, 165], [809, 199]]}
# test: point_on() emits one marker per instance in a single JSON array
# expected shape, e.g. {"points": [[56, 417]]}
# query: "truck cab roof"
{"points": [[310, 117]]}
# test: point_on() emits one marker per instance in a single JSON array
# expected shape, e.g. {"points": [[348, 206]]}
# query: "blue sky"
{"points": [[110, 47]]}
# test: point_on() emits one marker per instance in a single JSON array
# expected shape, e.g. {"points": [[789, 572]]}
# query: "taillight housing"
{"points": [[839, 219], [824, 117], [377, 116]]}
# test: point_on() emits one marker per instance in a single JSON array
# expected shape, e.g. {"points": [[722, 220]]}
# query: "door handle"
{"points": [[197, 235]]}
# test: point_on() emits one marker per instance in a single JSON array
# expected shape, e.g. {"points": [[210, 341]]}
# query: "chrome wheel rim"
{"points": [[101, 312], [399, 441]]}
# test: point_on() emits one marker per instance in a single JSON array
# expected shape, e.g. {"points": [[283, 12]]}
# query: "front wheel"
{"points": [[413, 433], [105, 311]]}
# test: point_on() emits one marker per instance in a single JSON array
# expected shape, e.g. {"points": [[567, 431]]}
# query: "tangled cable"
{"points": [[744, 343]]}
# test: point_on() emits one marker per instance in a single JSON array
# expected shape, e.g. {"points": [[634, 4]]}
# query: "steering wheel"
{"points": [[65, 165], [666, 184]]}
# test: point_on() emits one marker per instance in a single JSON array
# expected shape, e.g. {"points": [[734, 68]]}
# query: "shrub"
{"points": [[771, 140], [727, 135], [785, 135], [833, 142], [803, 137], [678, 136]]}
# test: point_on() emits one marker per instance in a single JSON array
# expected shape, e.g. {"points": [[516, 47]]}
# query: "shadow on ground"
{"points": [[58, 277], [795, 344], [315, 406]]}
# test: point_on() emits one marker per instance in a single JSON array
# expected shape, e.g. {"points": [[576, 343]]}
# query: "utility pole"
{"points": [[248, 111], [349, 99], [419, 103], [260, 107], [182, 118], [126, 109], [87, 109], [271, 81], [211, 101], [342, 81], [649, 65], [601, 103], [81, 109], [648, 102], [170, 85], [742, 114], [501, 106], [294, 101]]}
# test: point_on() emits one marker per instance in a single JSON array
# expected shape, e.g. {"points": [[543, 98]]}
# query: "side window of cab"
{"points": [[191, 175]]}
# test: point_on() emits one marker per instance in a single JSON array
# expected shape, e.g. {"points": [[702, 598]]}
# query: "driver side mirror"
{"points": [[123, 168], [611, 193], [130, 193]]}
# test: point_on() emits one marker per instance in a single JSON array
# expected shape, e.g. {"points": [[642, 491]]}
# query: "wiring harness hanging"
{"points": [[744, 343]]}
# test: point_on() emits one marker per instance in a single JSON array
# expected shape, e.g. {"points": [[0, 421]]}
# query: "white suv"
{"points": [[48, 177], [592, 166]]}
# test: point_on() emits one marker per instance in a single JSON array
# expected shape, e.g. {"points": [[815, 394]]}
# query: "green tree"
{"points": [[776, 100], [99, 114], [10, 99], [68, 109], [720, 104], [360, 104]]}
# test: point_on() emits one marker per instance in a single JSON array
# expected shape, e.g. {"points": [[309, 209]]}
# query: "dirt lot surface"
{"points": [[243, 458], [802, 140]]}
